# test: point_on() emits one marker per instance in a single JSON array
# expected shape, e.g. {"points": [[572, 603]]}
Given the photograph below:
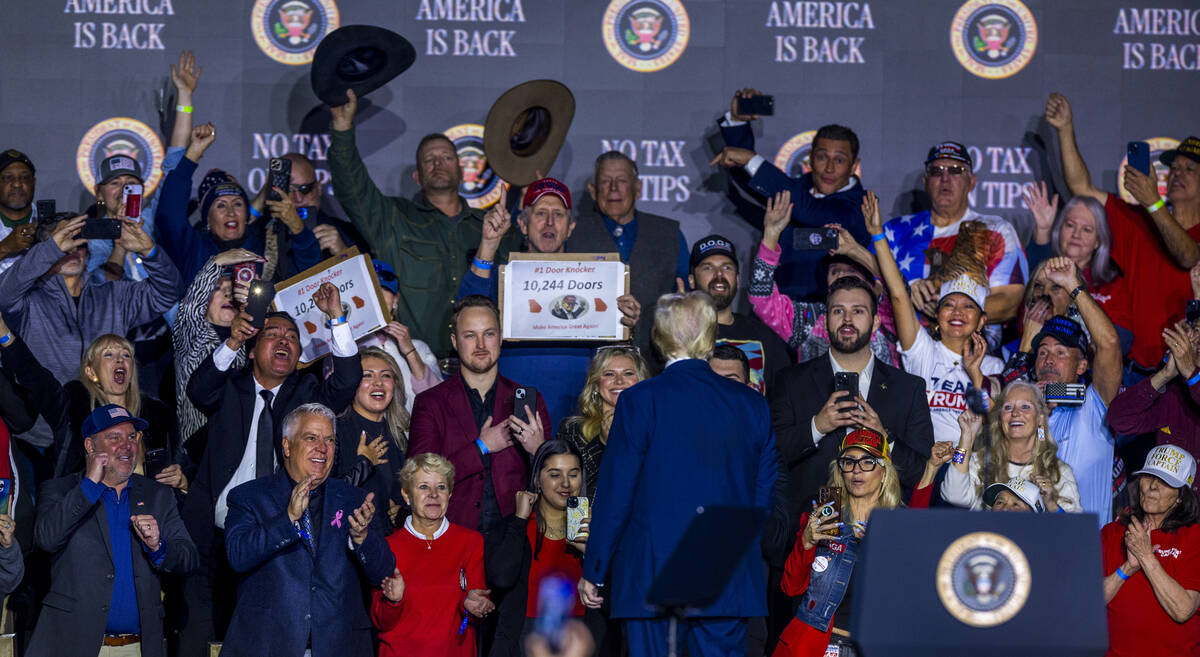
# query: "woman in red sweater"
{"points": [[438, 585], [532, 544]]}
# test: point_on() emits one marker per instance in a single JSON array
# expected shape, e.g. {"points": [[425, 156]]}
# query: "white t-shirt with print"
{"points": [[945, 381]]}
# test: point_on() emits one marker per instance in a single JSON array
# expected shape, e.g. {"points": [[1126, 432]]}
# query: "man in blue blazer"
{"points": [[684, 439], [296, 537]]}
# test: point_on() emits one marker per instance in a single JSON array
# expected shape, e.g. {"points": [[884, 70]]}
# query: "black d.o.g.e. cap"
{"points": [[711, 246]]}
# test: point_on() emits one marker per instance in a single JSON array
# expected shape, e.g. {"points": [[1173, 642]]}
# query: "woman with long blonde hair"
{"points": [[1021, 447], [612, 370]]}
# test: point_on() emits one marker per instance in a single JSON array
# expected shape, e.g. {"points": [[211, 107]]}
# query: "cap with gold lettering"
{"points": [[1171, 464]]}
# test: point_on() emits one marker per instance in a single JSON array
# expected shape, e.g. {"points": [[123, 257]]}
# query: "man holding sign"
{"points": [[557, 370]]}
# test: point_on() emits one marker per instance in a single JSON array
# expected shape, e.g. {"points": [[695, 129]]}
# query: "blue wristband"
{"points": [[153, 250], [879, 238], [1121, 573], [1195, 378], [485, 265], [253, 212], [337, 321], [5, 339], [483, 448]]}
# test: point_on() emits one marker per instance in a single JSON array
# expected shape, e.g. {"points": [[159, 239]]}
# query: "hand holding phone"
{"points": [[280, 177], [1137, 153], [525, 402], [259, 301], [846, 382], [815, 239], [757, 105], [132, 199], [577, 514]]}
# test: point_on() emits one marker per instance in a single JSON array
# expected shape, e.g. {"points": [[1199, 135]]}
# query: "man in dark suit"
{"points": [[810, 418], [245, 410], [110, 534], [469, 419], [301, 541], [684, 439]]}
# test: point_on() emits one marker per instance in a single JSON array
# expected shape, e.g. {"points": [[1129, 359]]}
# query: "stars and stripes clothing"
{"points": [[913, 239]]}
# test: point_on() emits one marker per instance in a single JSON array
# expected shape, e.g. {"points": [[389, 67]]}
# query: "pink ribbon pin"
{"points": [[337, 520]]}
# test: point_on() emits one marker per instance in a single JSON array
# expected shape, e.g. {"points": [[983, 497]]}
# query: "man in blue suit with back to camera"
{"points": [[685, 439], [296, 537]]}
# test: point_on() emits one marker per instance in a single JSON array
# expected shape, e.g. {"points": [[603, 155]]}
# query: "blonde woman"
{"points": [[612, 370], [1021, 447], [107, 375], [372, 432]]}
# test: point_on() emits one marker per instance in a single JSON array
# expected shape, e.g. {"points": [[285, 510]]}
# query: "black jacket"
{"points": [[227, 398], [799, 393], [75, 533]]}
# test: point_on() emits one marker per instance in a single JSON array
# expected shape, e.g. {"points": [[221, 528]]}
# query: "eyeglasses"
{"points": [[866, 464], [936, 170], [303, 188]]}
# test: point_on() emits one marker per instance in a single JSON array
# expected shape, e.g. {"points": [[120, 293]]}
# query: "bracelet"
{"points": [[337, 321], [1076, 291], [483, 448], [254, 212], [879, 238], [186, 109], [960, 455], [485, 265], [1191, 382], [1156, 206], [410, 352], [5, 339], [1121, 573]]}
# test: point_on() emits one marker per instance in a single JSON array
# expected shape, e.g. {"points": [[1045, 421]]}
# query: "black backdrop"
{"points": [[903, 73]]}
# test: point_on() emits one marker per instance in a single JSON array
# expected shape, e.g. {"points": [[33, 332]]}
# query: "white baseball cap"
{"points": [[1022, 488], [1171, 464], [964, 284]]}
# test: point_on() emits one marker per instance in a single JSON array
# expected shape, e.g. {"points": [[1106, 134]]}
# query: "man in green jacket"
{"points": [[429, 239]]}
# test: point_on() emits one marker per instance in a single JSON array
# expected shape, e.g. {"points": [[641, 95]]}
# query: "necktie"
{"points": [[306, 532], [265, 449]]}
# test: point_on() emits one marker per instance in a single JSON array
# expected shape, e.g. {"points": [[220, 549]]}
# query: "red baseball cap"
{"points": [[540, 188], [868, 440]]}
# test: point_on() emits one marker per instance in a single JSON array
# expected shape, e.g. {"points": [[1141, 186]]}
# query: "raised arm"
{"points": [[1144, 189], [1106, 363], [907, 324], [1079, 179], [185, 75], [360, 197]]}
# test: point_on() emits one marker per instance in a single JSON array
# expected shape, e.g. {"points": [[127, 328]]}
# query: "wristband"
{"points": [[7, 338], [254, 212], [960, 455], [879, 238], [1121, 573], [153, 250], [186, 109], [483, 448], [1191, 382], [485, 265], [410, 352], [1076, 291], [337, 321], [1156, 206]]}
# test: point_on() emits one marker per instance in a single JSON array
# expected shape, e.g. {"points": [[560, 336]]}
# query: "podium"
{"points": [[940, 582]]}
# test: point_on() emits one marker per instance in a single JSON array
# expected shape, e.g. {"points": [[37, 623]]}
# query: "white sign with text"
{"points": [[563, 299]]}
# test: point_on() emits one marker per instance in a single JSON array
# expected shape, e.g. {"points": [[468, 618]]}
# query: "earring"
{"points": [[1041, 433], [95, 379]]}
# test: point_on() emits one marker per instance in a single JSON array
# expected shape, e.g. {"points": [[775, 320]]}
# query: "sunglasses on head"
{"points": [[303, 188], [385, 276]]}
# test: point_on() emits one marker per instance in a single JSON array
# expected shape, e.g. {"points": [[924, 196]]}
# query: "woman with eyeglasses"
{"points": [[820, 568], [1018, 445], [955, 356], [107, 375], [612, 370]]}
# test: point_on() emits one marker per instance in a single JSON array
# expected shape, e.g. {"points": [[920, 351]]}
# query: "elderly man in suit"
{"points": [[685, 439], [811, 417], [245, 410], [301, 540], [469, 419], [110, 533]]}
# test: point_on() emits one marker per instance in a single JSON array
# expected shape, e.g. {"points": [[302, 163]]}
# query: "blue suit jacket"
{"points": [[285, 591], [799, 273], [683, 439]]}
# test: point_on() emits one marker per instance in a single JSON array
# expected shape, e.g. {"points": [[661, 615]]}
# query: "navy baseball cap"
{"points": [[1065, 330], [107, 416], [12, 156], [711, 246], [950, 150]]}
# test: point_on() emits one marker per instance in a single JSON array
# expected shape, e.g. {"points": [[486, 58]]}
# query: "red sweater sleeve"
{"points": [[799, 565], [384, 614], [921, 497]]}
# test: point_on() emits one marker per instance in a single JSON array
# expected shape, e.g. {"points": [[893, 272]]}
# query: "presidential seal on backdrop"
{"points": [[983, 579], [525, 129], [646, 35], [288, 31], [793, 156], [125, 136], [993, 38], [480, 185], [1158, 146]]}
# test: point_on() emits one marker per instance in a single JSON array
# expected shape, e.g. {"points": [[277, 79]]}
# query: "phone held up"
{"points": [[99, 226], [525, 402], [280, 176], [132, 198], [1137, 153], [577, 513], [815, 239], [761, 105], [259, 301], [829, 502], [846, 382]]}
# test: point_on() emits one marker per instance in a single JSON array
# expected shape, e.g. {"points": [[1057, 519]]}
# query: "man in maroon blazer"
{"points": [[469, 419]]}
